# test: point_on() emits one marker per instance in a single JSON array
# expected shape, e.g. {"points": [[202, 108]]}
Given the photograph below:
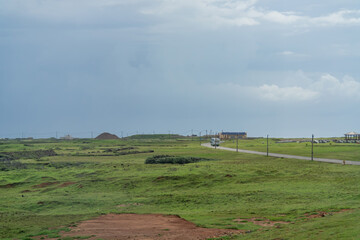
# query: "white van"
{"points": [[215, 142]]}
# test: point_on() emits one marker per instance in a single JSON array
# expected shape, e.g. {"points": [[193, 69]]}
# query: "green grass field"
{"points": [[343, 151], [86, 179]]}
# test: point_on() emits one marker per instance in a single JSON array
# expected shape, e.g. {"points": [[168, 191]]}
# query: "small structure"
{"points": [[352, 136], [67, 137], [232, 135]]}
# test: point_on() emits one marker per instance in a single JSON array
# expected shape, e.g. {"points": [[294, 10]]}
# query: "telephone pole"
{"points": [[237, 142], [267, 145], [312, 148]]}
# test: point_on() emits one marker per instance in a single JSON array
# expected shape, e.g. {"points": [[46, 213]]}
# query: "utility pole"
{"points": [[56, 136], [200, 138], [312, 148], [267, 145], [122, 134], [92, 135], [237, 142], [192, 134]]}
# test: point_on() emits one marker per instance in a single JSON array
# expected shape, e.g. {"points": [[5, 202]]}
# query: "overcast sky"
{"points": [[284, 68]]}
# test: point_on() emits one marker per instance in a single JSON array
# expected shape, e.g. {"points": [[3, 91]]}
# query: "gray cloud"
{"points": [[165, 65]]}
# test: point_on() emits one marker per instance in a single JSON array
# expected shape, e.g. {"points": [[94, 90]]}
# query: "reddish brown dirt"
{"points": [[26, 191], [45, 184], [145, 227], [65, 184], [260, 221], [10, 185], [324, 214]]}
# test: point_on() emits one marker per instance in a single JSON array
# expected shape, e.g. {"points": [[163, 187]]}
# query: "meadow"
{"points": [[342, 151], [87, 178]]}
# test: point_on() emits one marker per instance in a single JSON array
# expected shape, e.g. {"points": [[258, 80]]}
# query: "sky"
{"points": [[283, 68]]}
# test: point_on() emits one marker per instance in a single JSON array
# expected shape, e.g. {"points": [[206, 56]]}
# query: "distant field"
{"points": [[40, 196], [343, 151]]}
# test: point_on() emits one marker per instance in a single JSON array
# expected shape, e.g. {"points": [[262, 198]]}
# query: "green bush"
{"points": [[27, 154], [162, 159]]}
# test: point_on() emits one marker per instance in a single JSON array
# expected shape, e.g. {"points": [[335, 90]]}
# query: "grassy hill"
{"points": [[88, 178]]}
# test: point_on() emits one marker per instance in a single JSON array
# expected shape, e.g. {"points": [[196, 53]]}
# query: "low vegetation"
{"points": [[269, 198], [26, 154], [332, 150], [162, 159]]}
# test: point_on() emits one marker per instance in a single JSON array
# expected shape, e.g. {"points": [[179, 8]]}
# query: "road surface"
{"points": [[327, 160]]}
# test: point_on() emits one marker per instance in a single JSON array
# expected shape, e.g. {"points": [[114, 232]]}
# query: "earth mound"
{"points": [[106, 135]]}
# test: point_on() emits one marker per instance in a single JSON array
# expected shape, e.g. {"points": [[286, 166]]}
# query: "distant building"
{"points": [[352, 136], [67, 137], [232, 135]]}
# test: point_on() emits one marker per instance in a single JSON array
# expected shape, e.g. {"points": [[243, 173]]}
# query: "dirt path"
{"points": [[327, 160], [145, 226]]}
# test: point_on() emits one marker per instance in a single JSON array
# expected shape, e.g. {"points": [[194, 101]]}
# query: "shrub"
{"points": [[27, 154], [162, 159]]}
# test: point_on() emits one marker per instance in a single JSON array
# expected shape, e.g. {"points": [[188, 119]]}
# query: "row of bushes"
{"points": [[4, 156], [161, 159], [7, 165], [109, 155]]}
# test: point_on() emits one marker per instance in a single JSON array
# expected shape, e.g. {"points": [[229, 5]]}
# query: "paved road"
{"points": [[327, 160]]}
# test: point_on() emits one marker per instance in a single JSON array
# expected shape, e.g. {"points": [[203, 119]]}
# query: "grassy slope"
{"points": [[211, 194], [346, 151]]}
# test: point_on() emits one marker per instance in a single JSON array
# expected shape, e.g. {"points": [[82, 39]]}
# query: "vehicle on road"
{"points": [[215, 142]]}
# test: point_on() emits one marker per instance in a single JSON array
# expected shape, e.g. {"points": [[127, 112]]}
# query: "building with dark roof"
{"points": [[232, 135]]}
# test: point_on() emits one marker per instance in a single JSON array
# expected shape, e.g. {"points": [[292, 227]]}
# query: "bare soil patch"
{"points": [[145, 227], [45, 184], [10, 185], [26, 191], [65, 184], [324, 214]]}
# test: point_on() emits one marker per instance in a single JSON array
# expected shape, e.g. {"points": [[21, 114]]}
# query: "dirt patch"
{"points": [[10, 185], [65, 184], [324, 214], [317, 215], [26, 191], [106, 135], [260, 222], [146, 226], [45, 184], [166, 178]]}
